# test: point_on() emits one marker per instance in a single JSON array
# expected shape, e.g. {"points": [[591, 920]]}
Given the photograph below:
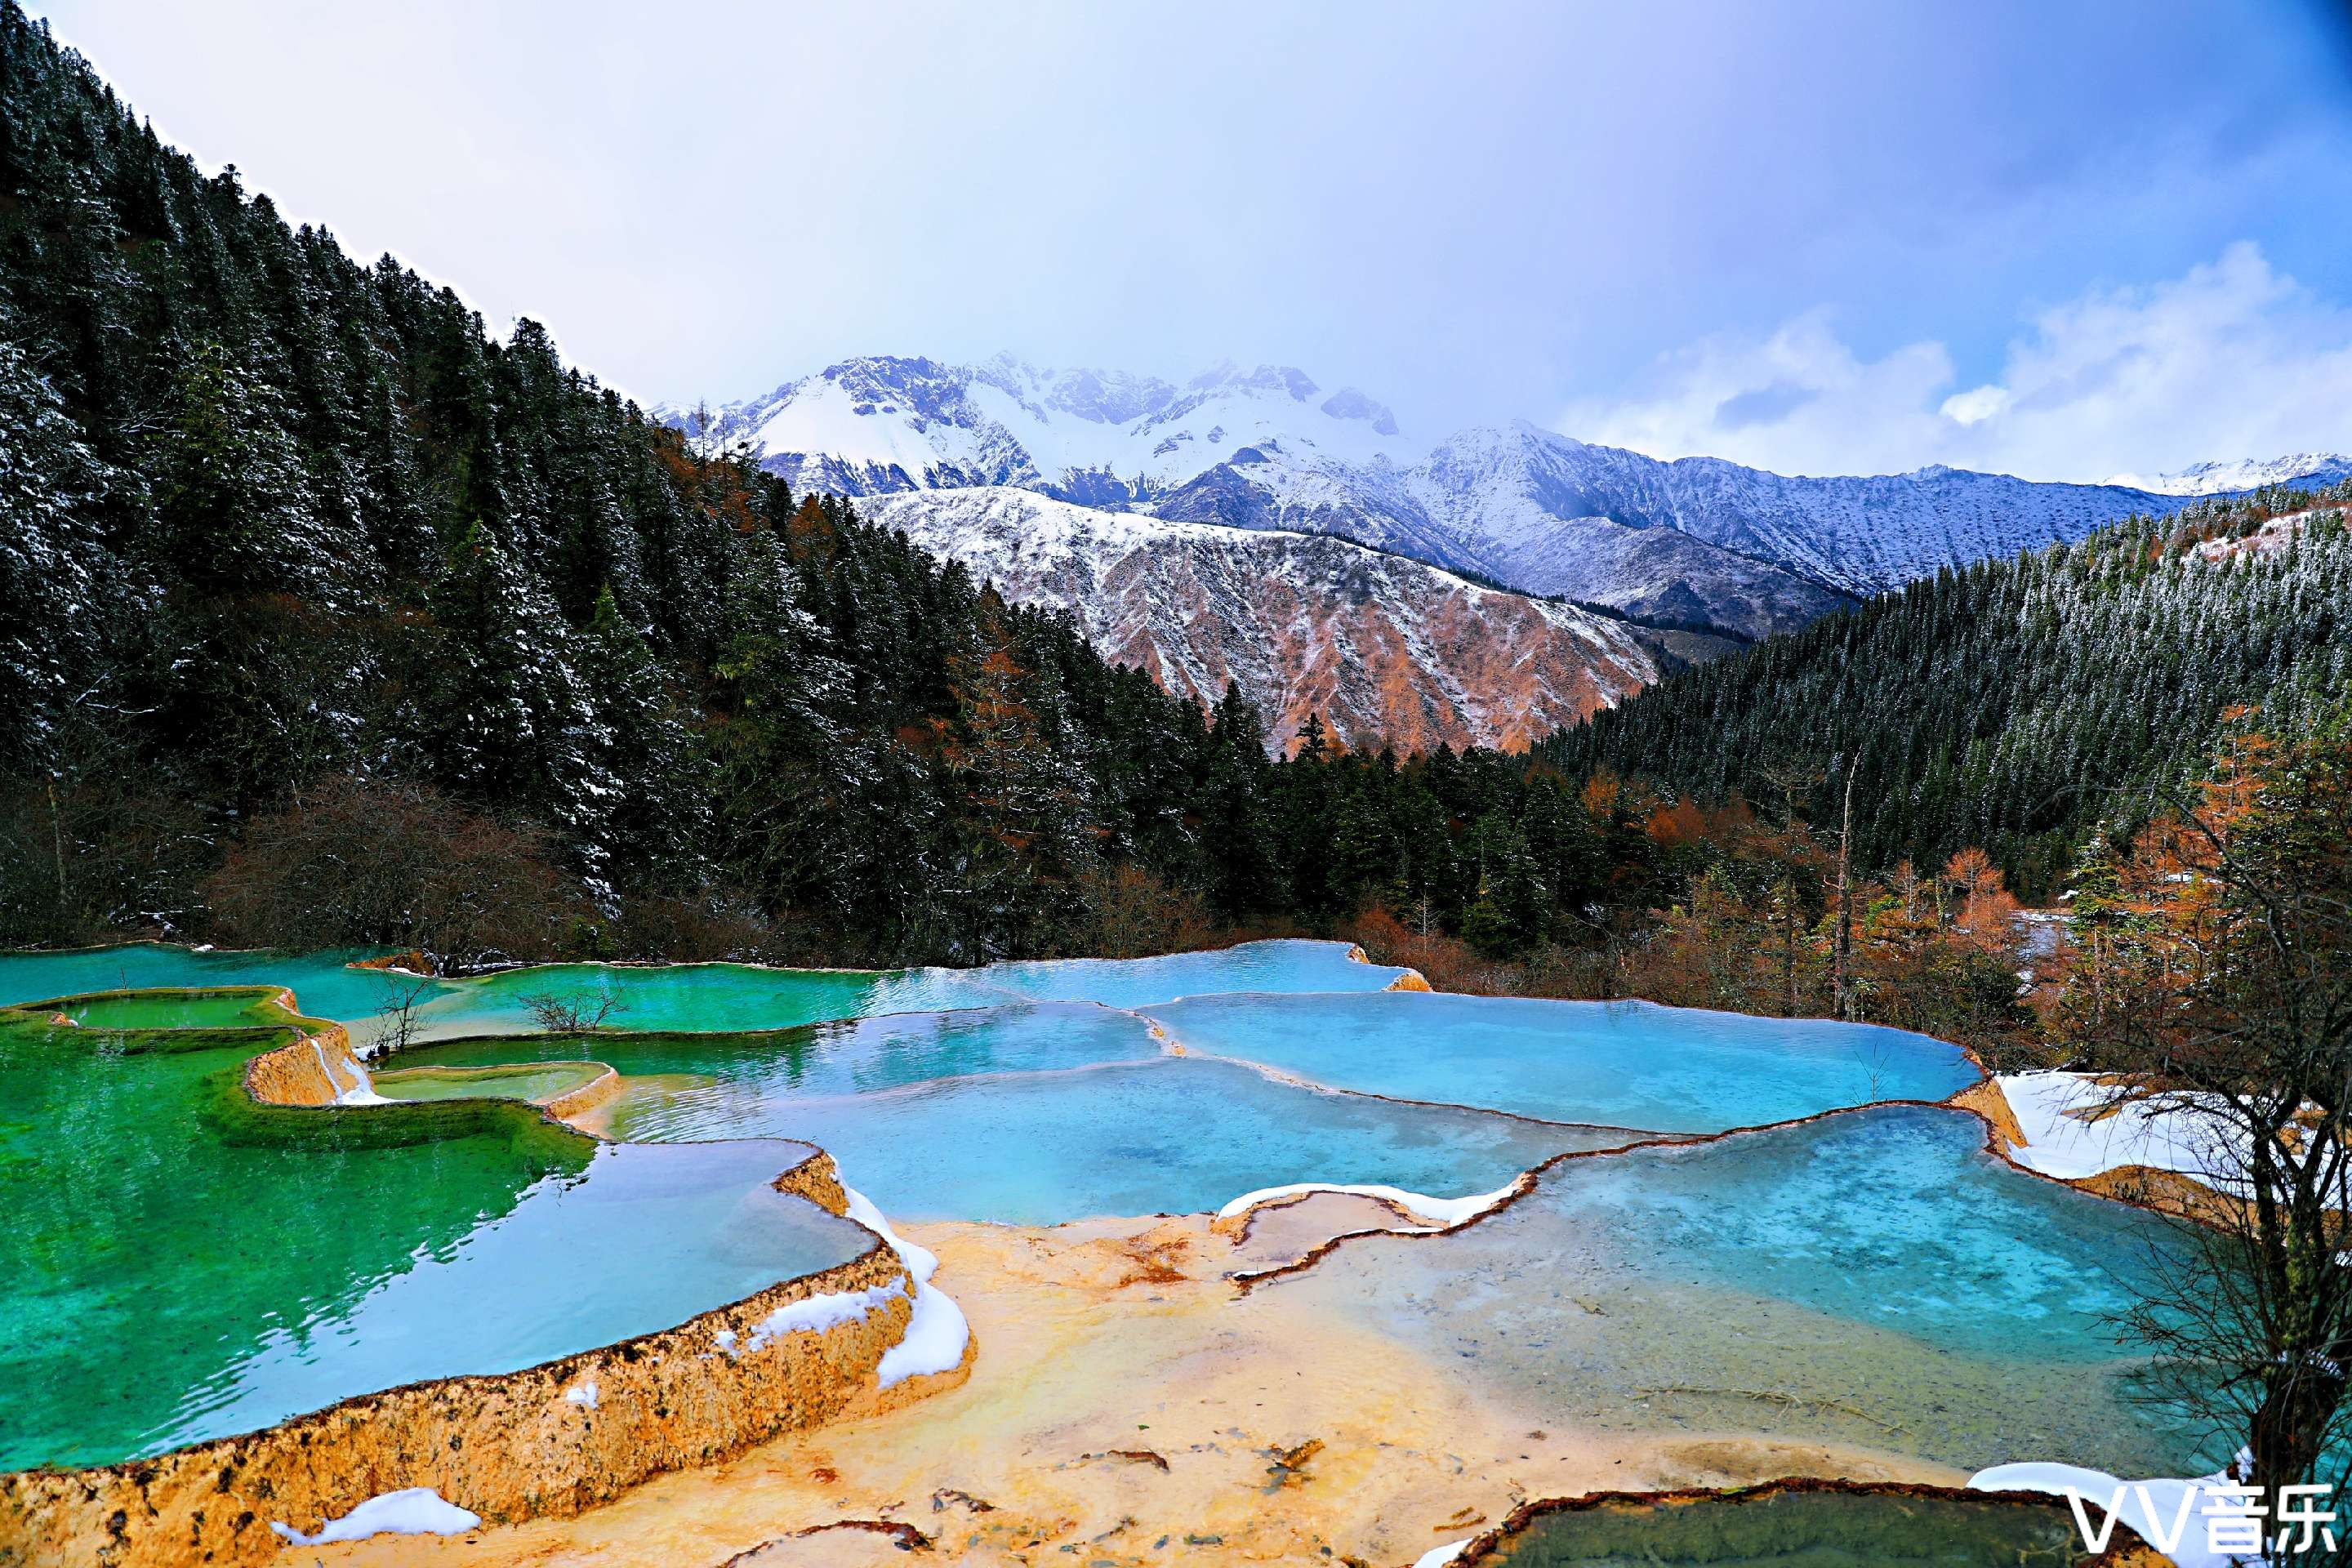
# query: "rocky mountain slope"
{"points": [[1387, 649], [1130, 499]]}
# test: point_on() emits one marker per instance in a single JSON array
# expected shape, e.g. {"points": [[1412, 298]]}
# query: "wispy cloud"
{"points": [[2233, 359]]}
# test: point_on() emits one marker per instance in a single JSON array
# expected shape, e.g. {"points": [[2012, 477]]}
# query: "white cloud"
{"points": [[2232, 359], [1976, 407]]}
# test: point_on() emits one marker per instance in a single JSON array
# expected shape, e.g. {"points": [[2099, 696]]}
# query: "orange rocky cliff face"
{"points": [[1387, 650]]}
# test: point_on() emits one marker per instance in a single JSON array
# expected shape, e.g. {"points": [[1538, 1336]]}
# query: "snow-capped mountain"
{"points": [[1512, 487], [1389, 650], [1699, 539], [878, 426], [1694, 541], [2309, 470]]}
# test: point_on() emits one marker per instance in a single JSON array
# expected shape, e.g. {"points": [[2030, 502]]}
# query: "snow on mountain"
{"points": [[1695, 542], [1387, 650], [1851, 535], [2310, 470], [880, 426]]}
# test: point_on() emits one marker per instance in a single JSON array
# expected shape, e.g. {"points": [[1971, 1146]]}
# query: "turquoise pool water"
{"points": [[1161, 1136], [1322, 967], [757, 1071], [642, 1239], [686, 997], [1874, 1279], [1622, 1064], [716, 997], [1035, 1113]]}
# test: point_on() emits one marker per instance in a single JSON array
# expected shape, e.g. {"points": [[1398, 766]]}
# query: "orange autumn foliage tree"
{"points": [[2217, 968]]}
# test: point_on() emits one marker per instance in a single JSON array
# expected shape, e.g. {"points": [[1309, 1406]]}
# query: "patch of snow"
{"points": [[818, 1314], [2166, 1131], [2248, 474], [418, 1510], [937, 1332], [1439, 1556], [1442, 1211], [583, 1394], [934, 1342]]}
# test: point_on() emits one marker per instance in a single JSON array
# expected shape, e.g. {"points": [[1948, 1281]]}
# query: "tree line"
{"points": [[328, 618]]}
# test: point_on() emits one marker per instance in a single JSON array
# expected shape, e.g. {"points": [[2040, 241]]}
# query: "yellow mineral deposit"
{"points": [[1125, 1403]]}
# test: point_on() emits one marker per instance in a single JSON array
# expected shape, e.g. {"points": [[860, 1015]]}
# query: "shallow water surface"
{"points": [[641, 1239], [1620, 1064], [324, 985], [686, 997], [1037, 1113], [1874, 1279], [551, 1081]]}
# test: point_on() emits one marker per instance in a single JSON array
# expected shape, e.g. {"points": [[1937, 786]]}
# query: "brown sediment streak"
{"points": [[2125, 1549], [906, 1536], [509, 1445], [1987, 1101]]}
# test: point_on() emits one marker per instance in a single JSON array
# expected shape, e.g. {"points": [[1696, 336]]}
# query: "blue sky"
{"points": [[2064, 240]]}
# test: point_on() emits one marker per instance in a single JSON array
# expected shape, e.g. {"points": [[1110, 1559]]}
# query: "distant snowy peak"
{"points": [[1699, 541], [1387, 650], [886, 425], [2309, 469]]}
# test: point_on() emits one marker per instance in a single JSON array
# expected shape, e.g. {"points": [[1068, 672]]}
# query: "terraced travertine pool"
{"points": [[179, 1264], [1874, 1278]]}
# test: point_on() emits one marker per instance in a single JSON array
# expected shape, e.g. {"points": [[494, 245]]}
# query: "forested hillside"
{"points": [[2015, 704], [293, 549], [330, 619], [327, 618]]}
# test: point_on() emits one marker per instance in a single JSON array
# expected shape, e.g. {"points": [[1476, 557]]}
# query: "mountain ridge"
{"points": [[1691, 540]]}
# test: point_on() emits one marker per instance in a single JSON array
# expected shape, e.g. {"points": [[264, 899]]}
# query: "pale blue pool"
{"points": [[1620, 1064], [1035, 1113], [1875, 1278]]}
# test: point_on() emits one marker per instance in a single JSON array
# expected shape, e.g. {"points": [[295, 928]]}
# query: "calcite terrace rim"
{"points": [[2125, 1547]]}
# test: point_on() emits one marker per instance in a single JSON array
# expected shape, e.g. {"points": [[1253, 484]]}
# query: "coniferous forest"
{"points": [[327, 618]]}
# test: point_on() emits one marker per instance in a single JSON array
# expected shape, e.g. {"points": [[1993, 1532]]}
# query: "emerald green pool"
{"points": [[1799, 1530], [698, 997], [180, 1264], [241, 1007]]}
